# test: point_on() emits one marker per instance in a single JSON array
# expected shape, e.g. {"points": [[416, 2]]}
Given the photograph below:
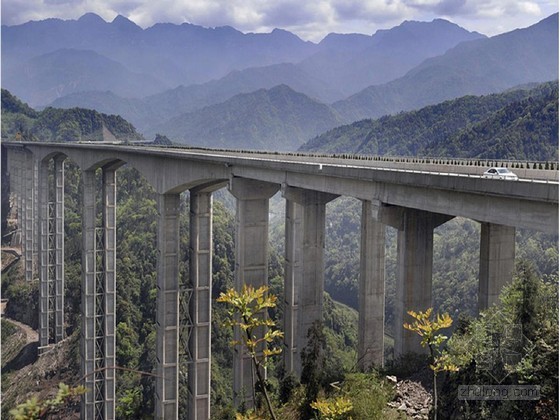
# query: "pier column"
{"points": [[45, 281], [251, 263], [18, 184], [200, 307], [98, 296], [28, 217], [292, 281], [51, 253], [414, 273], [497, 257], [371, 290], [167, 308], [59, 247], [311, 286]]}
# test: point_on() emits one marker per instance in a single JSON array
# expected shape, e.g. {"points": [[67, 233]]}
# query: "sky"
{"points": [[309, 19]]}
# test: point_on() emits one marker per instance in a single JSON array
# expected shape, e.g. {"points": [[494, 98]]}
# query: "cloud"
{"points": [[309, 19]]}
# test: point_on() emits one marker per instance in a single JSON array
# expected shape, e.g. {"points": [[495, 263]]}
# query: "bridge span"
{"points": [[414, 197]]}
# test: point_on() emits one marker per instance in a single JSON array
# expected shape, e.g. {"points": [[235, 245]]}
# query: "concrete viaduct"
{"points": [[413, 197]]}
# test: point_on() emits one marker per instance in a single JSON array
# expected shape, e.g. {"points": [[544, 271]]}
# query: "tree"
{"points": [[35, 409], [313, 365], [427, 327], [248, 311]]}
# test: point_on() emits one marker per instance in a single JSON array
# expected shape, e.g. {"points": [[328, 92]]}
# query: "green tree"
{"points": [[427, 327], [248, 311], [35, 409]]}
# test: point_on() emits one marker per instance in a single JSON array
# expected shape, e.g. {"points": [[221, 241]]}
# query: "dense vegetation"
{"points": [[525, 327], [136, 291], [518, 124], [19, 121], [330, 355]]}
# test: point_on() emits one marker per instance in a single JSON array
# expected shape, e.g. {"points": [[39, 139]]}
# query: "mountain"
{"points": [[354, 62], [21, 121], [177, 54], [187, 54], [66, 71], [410, 43], [155, 109], [518, 124], [274, 119], [471, 68]]}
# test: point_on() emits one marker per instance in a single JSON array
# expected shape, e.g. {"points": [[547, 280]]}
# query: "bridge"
{"points": [[413, 195]]}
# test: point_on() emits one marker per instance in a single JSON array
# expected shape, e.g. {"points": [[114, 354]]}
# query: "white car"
{"points": [[500, 173]]}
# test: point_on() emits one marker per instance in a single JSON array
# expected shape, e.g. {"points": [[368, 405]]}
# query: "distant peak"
{"points": [[283, 33], [91, 18], [124, 22]]}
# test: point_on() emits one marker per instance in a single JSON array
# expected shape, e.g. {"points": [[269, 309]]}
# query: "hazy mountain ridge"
{"points": [[519, 124], [475, 67], [188, 54], [173, 54], [275, 119], [471, 68], [385, 56], [65, 71]]}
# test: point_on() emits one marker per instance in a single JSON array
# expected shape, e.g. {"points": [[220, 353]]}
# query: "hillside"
{"points": [[353, 62], [156, 109], [21, 121], [518, 124], [341, 64], [471, 68], [275, 119]]}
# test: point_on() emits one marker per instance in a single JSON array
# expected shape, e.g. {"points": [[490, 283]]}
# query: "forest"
{"points": [[334, 345], [330, 357], [21, 122]]}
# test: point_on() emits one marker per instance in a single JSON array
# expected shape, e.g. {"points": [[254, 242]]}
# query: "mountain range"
{"points": [[288, 90], [278, 118], [517, 124], [174, 55]]}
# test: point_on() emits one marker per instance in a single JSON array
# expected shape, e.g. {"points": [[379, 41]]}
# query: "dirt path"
{"points": [[10, 256], [31, 335]]}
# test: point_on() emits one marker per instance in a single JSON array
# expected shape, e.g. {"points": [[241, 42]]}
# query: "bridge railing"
{"points": [[525, 169]]}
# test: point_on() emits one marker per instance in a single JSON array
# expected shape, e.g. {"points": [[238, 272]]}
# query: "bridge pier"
{"points": [[309, 292], [497, 257], [18, 183], [167, 308], [200, 304], [414, 273], [98, 297], [28, 219], [251, 264], [292, 282], [51, 253], [371, 290]]}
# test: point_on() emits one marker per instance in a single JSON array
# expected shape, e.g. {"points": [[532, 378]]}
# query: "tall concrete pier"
{"points": [[413, 198]]}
